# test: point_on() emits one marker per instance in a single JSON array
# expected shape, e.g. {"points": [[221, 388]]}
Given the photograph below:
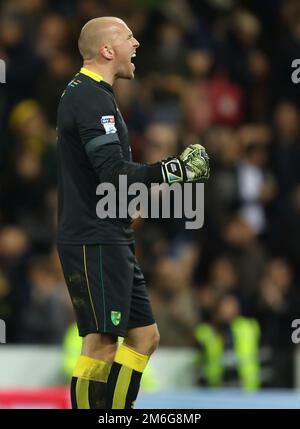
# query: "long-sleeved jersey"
{"points": [[93, 148]]}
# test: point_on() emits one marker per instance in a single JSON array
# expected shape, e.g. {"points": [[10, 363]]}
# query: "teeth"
{"points": [[133, 55]]}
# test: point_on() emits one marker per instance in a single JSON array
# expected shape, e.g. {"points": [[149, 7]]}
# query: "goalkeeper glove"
{"points": [[192, 165]]}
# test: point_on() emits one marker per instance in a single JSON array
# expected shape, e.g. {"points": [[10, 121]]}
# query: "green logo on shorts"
{"points": [[115, 317]]}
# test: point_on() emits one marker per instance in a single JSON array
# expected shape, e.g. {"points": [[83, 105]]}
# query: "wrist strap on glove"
{"points": [[173, 171]]}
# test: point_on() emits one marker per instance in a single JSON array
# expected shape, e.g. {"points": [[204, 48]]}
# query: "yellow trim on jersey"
{"points": [[97, 77]]}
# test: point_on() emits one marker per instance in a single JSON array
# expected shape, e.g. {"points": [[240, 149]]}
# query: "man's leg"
{"points": [[89, 381], [128, 366]]}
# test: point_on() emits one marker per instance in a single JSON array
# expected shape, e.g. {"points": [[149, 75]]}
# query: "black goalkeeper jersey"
{"points": [[93, 148]]}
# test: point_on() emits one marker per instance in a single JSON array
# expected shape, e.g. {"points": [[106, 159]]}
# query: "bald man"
{"points": [[104, 280]]}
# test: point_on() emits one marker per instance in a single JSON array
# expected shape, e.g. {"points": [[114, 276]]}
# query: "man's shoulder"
{"points": [[79, 88], [83, 94]]}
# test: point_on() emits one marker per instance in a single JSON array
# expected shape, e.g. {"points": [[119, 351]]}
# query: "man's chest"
{"points": [[123, 135]]}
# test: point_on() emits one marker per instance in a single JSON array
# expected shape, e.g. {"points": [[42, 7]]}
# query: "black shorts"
{"points": [[107, 288]]}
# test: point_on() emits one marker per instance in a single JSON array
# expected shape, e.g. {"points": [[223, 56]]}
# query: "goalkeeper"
{"points": [[104, 280]]}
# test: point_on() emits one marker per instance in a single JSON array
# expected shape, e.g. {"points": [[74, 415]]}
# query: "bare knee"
{"points": [[154, 342], [100, 346], [144, 340]]}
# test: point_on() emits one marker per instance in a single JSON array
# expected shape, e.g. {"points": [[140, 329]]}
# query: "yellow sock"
{"points": [[124, 378], [88, 385]]}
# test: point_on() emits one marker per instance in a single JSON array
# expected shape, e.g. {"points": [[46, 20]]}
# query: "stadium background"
{"points": [[216, 71]]}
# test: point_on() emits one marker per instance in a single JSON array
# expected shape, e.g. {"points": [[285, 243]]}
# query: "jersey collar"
{"points": [[95, 76]]}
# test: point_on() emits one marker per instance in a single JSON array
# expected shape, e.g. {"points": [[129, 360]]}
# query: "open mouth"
{"points": [[133, 56]]}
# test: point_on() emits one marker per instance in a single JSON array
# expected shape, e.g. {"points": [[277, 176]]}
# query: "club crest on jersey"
{"points": [[108, 123]]}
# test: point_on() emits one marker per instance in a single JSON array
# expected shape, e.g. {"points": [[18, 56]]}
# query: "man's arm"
{"points": [[103, 148], [109, 163]]}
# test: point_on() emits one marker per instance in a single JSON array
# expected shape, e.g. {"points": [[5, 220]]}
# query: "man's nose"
{"points": [[136, 43]]}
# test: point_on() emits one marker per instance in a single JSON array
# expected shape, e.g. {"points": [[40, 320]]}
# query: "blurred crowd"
{"points": [[213, 71]]}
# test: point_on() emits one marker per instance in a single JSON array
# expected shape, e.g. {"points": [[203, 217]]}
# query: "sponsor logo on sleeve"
{"points": [[108, 123]]}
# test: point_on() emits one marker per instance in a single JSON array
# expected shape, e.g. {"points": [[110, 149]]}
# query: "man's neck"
{"points": [[106, 75]]}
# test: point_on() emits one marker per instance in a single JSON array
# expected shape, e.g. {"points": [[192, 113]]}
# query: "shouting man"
{"points": [[104, 280]]}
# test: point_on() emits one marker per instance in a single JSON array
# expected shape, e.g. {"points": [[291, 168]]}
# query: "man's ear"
{"points": [[107, 52]]}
